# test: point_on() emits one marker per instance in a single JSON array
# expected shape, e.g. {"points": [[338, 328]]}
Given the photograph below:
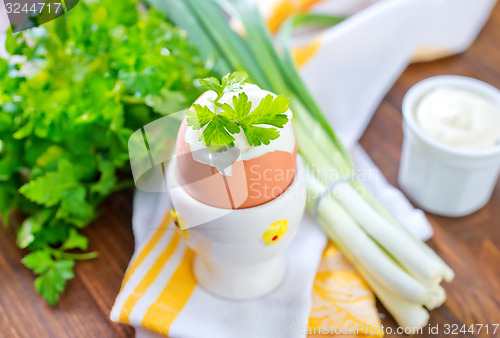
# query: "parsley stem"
{"points": [[58, 254], [132, 100], [123, 185], [80, 256]]}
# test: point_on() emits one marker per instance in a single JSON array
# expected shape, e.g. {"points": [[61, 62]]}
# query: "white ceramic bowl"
{"points": [[440, 178], [240, 253]]}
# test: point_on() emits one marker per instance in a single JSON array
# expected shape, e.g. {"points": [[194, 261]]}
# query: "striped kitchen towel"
{"points": [[159, 294]]}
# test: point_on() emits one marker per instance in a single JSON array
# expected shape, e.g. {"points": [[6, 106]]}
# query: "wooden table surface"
{"points": [[471, 245]]}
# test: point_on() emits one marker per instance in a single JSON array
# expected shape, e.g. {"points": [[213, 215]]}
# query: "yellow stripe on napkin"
{"points": [[304, 53], [282, 9], [162, 313], [148, 279]]}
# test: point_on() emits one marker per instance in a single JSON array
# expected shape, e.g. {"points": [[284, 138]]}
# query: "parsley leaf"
{"points": [[75, 241], [52, 282], [233, 82], [30, 226], [53, 273], [218, 128], [50, 189], [212, 83], [230, 83], [260, 135], [38, 261], [242, 107], [270, 111]]}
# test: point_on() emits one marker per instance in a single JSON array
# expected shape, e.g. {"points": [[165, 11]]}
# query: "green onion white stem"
{"points": [[363, 249], [407, 314], [398, 244]]}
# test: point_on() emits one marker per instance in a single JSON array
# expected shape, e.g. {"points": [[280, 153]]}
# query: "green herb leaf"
{"points": [[230, 83], [74, 206], [257, 136], [233, 82], [218, 128], [31, 225], [212, 83], [51, 283], [242, 107], [39, 261], [53, 273], [270, 111], [199, 116], [50, 188], [75, 241]]}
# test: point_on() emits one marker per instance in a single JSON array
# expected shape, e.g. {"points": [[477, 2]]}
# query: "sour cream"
{"points": [[459, 118]]}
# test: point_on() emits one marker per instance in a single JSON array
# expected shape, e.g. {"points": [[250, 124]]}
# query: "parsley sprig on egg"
{"points": [[260, 124]]}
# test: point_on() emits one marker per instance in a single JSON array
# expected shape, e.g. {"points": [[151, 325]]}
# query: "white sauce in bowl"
{"points": [[459, 118]]}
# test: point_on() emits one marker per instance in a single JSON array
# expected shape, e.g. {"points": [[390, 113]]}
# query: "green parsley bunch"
{"points": [[70, 97]]}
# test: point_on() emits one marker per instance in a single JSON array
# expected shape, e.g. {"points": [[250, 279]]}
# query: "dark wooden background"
{"points": [[471, 245]]}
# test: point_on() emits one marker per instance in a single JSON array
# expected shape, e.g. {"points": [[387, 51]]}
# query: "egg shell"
{"points": [[253, 182]]}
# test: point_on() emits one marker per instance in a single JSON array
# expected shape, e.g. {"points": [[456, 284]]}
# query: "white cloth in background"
{"points": [[4, 25], [392, 198], [361, 58]]}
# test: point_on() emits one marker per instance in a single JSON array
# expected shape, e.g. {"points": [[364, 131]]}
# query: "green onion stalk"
{"points": [[403, 271]]}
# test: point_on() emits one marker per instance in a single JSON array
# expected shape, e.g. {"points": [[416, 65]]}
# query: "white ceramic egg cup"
{"points": [[232, 258]]}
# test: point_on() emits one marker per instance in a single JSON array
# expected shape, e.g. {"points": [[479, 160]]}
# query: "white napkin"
{"points": [[414, 220], [4, 25], [359, 59]]}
